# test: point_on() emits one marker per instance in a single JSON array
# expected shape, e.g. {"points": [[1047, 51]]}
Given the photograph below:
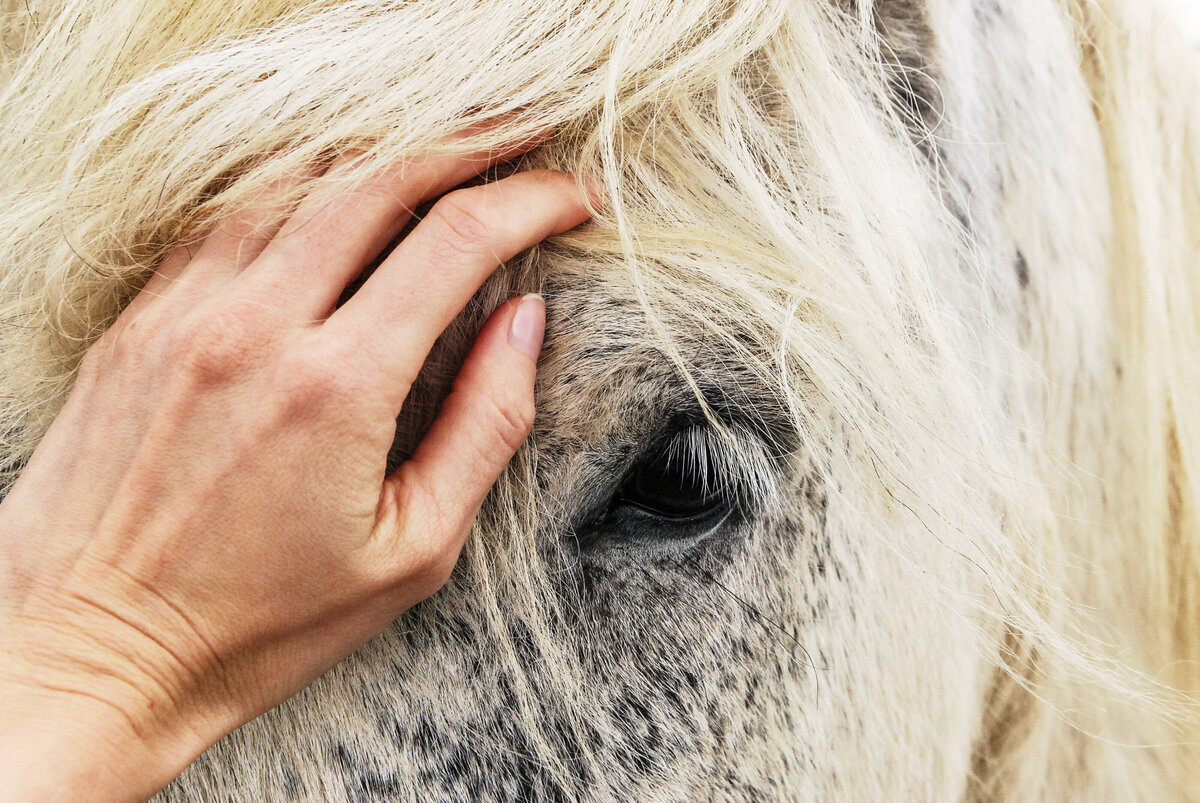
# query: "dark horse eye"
{"points": [[677, 482]]}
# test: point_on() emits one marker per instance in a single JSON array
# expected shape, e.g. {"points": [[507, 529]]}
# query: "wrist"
{"points": [[100, 695], [60, 749], [59, 743]]}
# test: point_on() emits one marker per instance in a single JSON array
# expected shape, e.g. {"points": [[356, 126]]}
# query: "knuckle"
{"points": [[512, 419], [460, 215], [222, 343], [313, 377], [549, 179], [125, 343], [432, 566], [423, 558]]}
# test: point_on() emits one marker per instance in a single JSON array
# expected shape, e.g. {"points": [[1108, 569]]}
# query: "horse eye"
{"points": [[674, 483]]}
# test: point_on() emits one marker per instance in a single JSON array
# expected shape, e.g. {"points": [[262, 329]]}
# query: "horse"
{"points": [[867, 454]]}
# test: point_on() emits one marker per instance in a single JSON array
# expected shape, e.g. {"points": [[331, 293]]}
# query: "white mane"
{"points": [[1026, 441]]}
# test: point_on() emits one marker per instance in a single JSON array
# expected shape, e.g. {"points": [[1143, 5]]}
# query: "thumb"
{"points": [[481, 424]]}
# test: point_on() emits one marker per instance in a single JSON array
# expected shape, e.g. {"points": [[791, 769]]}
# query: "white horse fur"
{"points": [[913, 284]]}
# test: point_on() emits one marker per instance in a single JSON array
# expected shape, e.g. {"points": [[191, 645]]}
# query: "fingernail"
{"points": [[528, 325]]}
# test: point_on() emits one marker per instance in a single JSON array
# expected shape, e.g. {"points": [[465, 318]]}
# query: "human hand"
{"points": [[207, 525]]}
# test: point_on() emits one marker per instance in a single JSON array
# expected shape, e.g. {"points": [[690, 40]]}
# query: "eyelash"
{"points": [[695, 474]]}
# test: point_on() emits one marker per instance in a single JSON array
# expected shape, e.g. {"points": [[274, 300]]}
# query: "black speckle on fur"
{"points": [[292, 788], [1022, 267], [907, 46], [907, 51]]}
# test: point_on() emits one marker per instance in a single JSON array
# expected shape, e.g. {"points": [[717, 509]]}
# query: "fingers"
{"points": [[334, 233], [230, 244], [425, 282], [165, 275], [481, 424], [306, 257], [237, 240]]}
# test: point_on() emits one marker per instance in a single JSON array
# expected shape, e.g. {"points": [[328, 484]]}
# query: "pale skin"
{"points": [[208, 525]]}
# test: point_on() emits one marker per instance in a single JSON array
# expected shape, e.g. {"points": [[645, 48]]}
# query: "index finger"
{"points": [[334, 234], [429, 277]]}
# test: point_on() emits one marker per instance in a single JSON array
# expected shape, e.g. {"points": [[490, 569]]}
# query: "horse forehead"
{"points": [[604, 353]]}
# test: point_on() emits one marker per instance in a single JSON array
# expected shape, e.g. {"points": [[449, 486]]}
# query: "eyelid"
{"points": [[711, 468]]}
